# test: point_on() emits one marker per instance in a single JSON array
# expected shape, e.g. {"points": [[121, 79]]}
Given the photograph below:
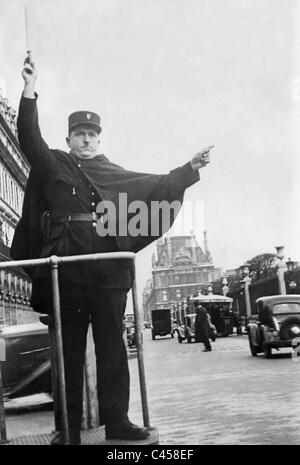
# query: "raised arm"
{"points": [[30, 139], [181, 178]]}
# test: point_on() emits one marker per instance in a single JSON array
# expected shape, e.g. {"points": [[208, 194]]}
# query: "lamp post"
{"points": [[210, 289], [281, 269], [290, 266], [247, 281], [184, 308]]}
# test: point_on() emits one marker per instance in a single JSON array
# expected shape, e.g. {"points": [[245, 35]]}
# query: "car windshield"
{"points": [[283, 308]]}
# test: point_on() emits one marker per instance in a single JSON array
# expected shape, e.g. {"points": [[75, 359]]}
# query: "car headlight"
{"points": [[295, 330]]}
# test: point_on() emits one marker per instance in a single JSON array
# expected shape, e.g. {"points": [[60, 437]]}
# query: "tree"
{"points": [[262, 266]]}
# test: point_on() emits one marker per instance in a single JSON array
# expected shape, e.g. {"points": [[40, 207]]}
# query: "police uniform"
{"points": [[69, 189]]}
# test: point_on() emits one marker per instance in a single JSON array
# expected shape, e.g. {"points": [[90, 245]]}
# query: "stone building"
{"points": [[179, 268], [15, 285]]}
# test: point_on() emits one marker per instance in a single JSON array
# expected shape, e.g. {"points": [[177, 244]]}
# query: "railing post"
{"points": [[141, 367], [54, 261], [59, 348]]}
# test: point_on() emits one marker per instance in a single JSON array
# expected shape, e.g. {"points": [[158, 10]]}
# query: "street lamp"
{"points": [[280, 251], [290, 266], [210, 289], [247, 281]]}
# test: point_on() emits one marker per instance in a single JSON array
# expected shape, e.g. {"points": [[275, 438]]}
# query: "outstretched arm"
{"points": [[201, 158], [30, 139], [183, 177]]}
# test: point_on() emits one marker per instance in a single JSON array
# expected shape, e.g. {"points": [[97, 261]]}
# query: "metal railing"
{"points": [[54, 262]]}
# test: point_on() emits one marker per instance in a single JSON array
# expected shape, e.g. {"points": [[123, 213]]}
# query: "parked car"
{"points": [[275, 324], [27, 367], [131, 336], [186, 331], [129, 331]]}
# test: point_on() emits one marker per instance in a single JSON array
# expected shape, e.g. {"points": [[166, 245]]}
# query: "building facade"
{"points": [[179, 269], [15, 285]]}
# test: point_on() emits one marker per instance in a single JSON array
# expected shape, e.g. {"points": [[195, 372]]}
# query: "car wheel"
{"points": [[267, 350], [179, 339], [189, 339], [172, 335], [253, 348], [153, 337]]}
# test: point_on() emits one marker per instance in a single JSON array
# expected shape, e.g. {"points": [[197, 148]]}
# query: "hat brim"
{"points": [[86, 123]]}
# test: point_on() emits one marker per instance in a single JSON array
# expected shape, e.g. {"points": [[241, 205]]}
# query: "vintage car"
{"points": [[129, 331], [275, 324], [26, 369], [131, 336], [186, 331]]}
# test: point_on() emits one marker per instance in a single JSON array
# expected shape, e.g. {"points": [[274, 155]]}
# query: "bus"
{"points": [[219, 308]]}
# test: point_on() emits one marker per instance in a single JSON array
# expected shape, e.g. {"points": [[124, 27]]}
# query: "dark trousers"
{"points": [[207, 343], [105, 310]]}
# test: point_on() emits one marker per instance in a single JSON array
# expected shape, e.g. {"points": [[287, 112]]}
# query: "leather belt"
{"points": [[77, 217]]}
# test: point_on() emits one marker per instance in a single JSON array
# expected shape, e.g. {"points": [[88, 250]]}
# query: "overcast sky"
{"points": [[169, 77]]}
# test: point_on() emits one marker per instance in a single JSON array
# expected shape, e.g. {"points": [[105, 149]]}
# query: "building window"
{"points": [[178, 294], [10, 191], [164, 296], [164, 281]]}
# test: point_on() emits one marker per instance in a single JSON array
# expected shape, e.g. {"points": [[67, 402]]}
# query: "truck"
{"points": [[162, 323]]}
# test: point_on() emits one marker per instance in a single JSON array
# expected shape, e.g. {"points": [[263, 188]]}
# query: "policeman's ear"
{"points": [[68, 141]]}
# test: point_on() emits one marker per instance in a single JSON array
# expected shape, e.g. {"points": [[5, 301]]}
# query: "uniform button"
{"points": [[93, 204], [93, 193], [79, 165], [94, 224]]}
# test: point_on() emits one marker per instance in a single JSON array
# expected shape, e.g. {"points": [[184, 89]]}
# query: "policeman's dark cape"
{"points": [[108, 179]]}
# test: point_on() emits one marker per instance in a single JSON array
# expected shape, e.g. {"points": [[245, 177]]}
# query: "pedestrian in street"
{"points": [[202, 327], [60, 218]]}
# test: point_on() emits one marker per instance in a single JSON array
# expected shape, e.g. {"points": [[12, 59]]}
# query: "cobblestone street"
{"points": [[223, 397]]}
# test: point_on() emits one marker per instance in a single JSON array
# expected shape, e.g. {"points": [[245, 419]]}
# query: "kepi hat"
{"points": [[84, 118]]}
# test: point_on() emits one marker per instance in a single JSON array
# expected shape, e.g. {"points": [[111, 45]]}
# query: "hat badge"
{"points": [[88, 116]]}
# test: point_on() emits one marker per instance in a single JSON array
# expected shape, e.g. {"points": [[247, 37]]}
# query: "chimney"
{"points": [[193, 246], [153, 260], [205, 243], [169, 251]]}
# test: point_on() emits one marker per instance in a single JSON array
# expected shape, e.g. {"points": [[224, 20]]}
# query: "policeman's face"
{"points": [[83, 142]]}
